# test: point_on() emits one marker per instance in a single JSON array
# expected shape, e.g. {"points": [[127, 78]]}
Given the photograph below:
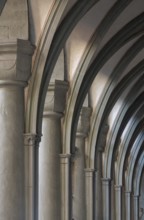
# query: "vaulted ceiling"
{"points": [[97, 47]]}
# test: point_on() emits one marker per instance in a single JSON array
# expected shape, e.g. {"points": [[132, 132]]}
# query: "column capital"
{"points": [[127, 193], [84, 122], [65, 158], [15, 63], [135, 196], [118, 186], [25, 51], [106, 181], [65, 155], [56, 99], [52, 114], [102, 136], [31, 139], [89, 172]]}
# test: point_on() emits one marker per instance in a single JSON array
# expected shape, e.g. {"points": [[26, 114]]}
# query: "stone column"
{"points": [[65, 186], [12, 173], [78, 165], [98, 196], [136, 207], [50, 148], [98, 175], [118, 200], [106, 199], [128, 205], [31, 142], [89, 184]]}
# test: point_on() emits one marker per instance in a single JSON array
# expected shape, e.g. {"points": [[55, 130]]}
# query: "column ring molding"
{"points": [[13, 83], [52, 114], [31, 139]]}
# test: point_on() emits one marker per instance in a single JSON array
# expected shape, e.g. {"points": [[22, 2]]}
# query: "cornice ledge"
{"points": [[25, 51], [56, 97], [84, 122]]}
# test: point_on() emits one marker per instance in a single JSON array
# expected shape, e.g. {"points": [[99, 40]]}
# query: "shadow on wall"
{"points": [[34, 21], [2, 4]]}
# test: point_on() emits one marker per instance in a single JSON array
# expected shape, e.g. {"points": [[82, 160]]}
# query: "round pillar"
{"points": [[106, 199], [128, 205], [49, 151], [78, 166], [118, 201], [98, 186], [89, 184], [65, 186], [12, 175], [136, 207], [49, 167], [78, 179], [31, 143], [13, 79]]}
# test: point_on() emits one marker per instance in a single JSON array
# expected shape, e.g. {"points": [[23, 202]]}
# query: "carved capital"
{"points": [[116, 154], [89, 172], [103, 136], [65, 158], [126, 165], [118, 187], [61, 88], [31, 139], [84, 122], [106, 181]]}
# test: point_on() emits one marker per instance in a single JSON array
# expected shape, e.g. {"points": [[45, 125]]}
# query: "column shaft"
{"points": [[106, 199], [136, 207], [89, 180], [98, 196], [128, 205], [118, 201], [12, 196], [31, 175], [49, 168], [78, 177], [65, 186]]}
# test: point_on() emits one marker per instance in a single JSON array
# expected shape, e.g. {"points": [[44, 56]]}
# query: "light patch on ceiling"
{"points": [[38, 12], [112, 117], [97, 88]]}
